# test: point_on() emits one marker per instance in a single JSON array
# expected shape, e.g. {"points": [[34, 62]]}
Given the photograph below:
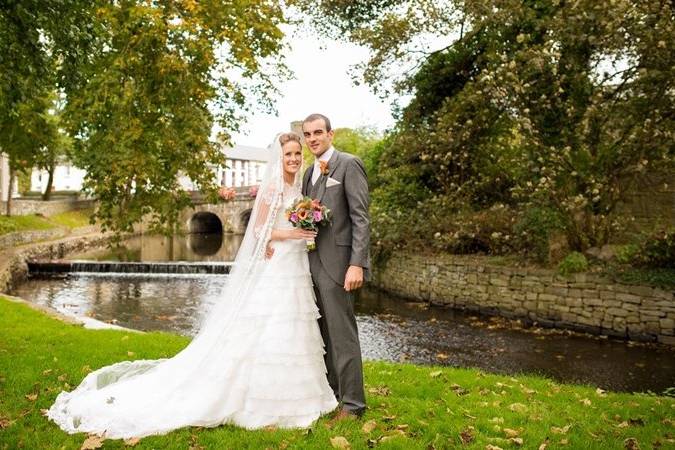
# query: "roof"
{"points": [[246, 152]]}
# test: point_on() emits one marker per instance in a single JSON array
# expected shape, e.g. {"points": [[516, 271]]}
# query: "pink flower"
{"points": [[227, 193], [317, 216], [294, 218]]}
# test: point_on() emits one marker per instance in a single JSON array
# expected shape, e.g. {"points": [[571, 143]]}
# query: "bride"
{"points": [[257, 360]]}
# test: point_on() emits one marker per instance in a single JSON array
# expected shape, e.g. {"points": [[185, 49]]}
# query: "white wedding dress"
{"points": [[257, 362]]}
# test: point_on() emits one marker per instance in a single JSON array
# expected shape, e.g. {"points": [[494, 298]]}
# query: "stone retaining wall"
{"points": [[13, 262], [24, 207], [582, 302]]}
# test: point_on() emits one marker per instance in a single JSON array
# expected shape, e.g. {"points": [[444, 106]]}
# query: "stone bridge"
{"points": [[223, 217]]}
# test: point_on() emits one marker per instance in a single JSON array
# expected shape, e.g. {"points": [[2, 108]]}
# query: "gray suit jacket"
{"points": [[346, 240]]}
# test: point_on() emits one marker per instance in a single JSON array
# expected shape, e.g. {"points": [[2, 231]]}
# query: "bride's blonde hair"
{"points": [[288, 137]]}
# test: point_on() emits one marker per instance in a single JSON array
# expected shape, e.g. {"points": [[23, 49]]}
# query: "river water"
{"points": [[390, 328]]}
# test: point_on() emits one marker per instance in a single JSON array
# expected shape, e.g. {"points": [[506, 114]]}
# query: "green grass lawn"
{"points": [[69, 219], [409, 406]]}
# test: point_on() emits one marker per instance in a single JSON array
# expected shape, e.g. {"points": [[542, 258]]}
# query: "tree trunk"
{"points": [[50, 181], [10, 191]]}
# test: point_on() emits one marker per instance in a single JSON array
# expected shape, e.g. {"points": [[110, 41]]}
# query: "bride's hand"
{"points": [[299, 233], [269, 251]]}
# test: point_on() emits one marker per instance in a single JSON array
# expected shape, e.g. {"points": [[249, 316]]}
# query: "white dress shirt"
{"points": [[317, 167]]}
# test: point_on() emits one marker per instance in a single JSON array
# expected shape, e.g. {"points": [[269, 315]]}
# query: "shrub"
{"points": [[626, 253], [657, 251], [573, 263], [534, 229], [7, 225]]}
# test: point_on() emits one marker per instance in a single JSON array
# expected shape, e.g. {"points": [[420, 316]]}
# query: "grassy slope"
{"points": [[429, 406], [69, 219]]}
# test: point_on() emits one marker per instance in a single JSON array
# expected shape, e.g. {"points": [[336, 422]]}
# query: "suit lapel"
{"points": [[307, 181]]}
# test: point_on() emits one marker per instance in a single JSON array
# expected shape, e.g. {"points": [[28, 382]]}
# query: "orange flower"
{"points": [[302, 214], [323, 166]]}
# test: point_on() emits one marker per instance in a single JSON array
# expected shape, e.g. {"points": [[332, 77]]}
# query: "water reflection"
{"points": [[390, 329], [216, 247]]}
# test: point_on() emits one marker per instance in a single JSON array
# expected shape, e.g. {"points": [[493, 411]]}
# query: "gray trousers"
{"points": [[341, 337]]}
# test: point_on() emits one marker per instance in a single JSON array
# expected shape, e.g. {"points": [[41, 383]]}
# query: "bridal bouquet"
{"points": [[308, 214]]}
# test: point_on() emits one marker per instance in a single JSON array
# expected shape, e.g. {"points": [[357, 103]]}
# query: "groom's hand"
{"points": [[353, 278]]}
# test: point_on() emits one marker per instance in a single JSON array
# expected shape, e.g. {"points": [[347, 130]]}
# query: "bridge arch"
{"points": [[205, 222], [244, 217]]}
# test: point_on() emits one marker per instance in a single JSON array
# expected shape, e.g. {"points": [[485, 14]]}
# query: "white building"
{"points": [[4, 179], [66, 178], [244, 166]]}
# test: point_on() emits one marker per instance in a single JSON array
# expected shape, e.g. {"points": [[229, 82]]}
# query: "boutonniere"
{"points": [[323, 167]]}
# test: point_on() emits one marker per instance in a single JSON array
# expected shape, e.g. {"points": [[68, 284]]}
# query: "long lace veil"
{"points": [[141, 397], [251, 254]]}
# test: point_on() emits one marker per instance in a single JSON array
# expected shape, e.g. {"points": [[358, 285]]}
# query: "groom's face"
{"points": [[318, 139]]}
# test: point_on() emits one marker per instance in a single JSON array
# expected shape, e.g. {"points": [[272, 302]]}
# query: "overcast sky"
{"points": [[322, 84]]}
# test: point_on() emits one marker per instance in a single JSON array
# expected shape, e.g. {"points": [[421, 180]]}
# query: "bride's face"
{"points": [[292, 157]]}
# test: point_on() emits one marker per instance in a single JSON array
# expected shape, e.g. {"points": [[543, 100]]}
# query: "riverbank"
{"points": [[14, 267], [409, 406], [583, 302]]}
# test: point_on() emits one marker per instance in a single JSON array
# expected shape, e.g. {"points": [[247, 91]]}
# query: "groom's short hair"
{"points": [[317, 116]]}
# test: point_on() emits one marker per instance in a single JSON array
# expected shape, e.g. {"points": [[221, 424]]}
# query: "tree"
{"points": [[57, 147], [140, 113], [39, 40], [141, 80], [550, 104]]}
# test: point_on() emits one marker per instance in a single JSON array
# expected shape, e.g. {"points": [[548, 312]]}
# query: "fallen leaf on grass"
{"points": [[518, 407], [601, 392], [544, 445], [369, 426], [623, 424], [585, 402], [564, 441], [92, 442], [388, 418], [380, 390], [31, 397], [435, 374], [46, 372], [631, 444], [516, 441], [130, 354], [5, 422], [131, 442], [86, 369], [497, 420], [562, 430], [466, 436], [339, 442], [44, 412], [492, 447], [393, 434], [511, 433]]}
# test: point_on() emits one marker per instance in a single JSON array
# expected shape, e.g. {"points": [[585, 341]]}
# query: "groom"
{"points": [[340, 263]]}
